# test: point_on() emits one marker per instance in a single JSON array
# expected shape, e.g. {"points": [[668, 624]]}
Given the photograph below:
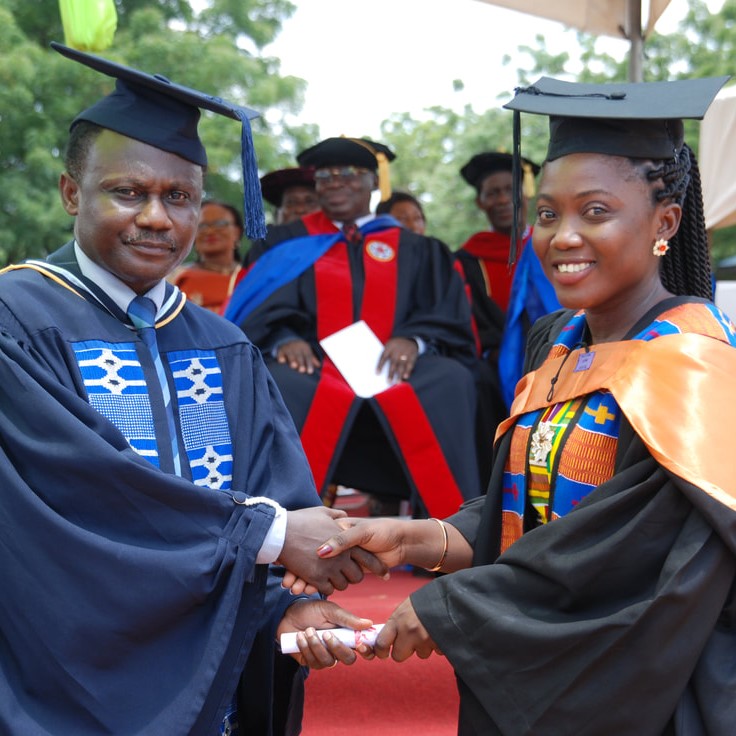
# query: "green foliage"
{"points": [[41, 92], [219, 50]]}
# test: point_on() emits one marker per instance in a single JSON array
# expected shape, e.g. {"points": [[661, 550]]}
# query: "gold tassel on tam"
{"points": [[528, 186], [384, 172], [384, 176]]}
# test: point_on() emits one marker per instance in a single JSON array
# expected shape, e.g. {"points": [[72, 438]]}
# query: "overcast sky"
{"points": [[365, 60]]}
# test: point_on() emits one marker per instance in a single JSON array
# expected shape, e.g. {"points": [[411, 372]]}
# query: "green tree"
{"points": [[217, 50], [432, 151]]}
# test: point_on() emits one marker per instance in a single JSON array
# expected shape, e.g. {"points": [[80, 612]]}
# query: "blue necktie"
{"points": [[142, 313]]}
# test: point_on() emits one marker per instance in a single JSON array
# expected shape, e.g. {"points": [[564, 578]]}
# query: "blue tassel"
{"points": [[253, 217]]}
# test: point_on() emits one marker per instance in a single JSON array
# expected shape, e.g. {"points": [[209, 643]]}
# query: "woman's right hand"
{"points": [[385, 537]]}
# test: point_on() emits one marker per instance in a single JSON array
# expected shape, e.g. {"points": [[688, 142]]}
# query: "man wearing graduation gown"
{"points": [[416, 436], [485, 255], [290, 192], [148, 473], [507, 295]]}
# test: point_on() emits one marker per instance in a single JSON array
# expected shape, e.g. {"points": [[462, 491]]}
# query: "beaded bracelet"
{"points": [[438, 566]]}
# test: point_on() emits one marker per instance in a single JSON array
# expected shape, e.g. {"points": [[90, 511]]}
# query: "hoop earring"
{"points": [[661, 246]]}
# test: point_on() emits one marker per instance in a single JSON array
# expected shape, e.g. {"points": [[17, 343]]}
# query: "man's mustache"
{"points": [[149, 237]]}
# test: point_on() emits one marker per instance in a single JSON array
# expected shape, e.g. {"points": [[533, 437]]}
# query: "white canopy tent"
{"points": [[617, 18], [717, 160]]}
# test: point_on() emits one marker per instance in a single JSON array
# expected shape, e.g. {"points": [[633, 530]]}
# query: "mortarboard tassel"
{"points": [[515, 185], [255, 221]]}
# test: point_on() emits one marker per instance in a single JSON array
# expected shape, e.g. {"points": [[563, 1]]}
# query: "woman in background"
{"points": [[405, 208], [210, 280]]}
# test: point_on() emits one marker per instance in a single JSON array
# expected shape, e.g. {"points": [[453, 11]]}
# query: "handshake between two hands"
{"points": [[326, 551]]}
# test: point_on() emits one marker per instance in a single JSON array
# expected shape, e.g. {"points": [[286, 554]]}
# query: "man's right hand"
{"points": [[298, 355], [307, 529]]}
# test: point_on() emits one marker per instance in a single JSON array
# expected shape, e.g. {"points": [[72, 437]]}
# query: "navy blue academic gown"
{"points": [[130, 596]]}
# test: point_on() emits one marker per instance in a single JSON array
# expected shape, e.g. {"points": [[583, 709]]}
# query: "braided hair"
{"points": [[685, 269]]}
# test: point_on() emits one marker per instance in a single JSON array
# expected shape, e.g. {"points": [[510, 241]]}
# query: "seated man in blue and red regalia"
{"points": [[416, 439]]}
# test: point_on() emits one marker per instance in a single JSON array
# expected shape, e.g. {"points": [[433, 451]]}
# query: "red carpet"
{"points": [[382, 697]]}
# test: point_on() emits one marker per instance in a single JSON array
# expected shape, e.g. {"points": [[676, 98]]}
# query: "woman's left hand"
{"points": [[404, 635]]}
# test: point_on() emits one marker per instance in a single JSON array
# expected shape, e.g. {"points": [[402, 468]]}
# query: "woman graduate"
{"points": [[599, 594]]}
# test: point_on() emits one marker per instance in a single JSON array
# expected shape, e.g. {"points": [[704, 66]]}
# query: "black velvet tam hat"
{"points": [[485, 164], [160, 113], [345, 151], [635, 119], [275, 183]]}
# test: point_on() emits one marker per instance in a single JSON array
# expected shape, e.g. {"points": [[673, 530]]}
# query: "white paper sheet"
{"points": [[355, 351]]}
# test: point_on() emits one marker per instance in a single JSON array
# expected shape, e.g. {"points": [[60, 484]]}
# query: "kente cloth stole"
{"points": [[575, 443], [116, 386], [558, 454]]}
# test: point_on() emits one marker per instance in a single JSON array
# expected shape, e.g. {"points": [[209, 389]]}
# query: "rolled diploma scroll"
{"points": [[349, 637]]}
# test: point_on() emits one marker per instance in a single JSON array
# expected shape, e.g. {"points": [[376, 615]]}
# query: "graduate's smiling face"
{"points": [[136, 208], [596, 224]]}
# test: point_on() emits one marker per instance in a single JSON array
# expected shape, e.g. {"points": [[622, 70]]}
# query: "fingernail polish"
{"points": [[325, 549]]}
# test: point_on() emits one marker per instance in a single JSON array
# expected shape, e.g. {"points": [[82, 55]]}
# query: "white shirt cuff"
{"points": [[274, 541]]}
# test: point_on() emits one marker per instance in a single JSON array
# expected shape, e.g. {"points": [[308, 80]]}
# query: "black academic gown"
{"points": [[402, 285], [131, 596], [619, 617]]}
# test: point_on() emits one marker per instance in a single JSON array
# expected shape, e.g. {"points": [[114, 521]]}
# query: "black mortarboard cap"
{"points": [[633, 119], [489, 162], [345, 151], [275, 183], [156, 111]]}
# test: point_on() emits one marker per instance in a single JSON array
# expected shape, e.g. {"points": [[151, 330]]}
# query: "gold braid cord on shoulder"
{"points": [[45, 272], [168, 317], [678, 392]]}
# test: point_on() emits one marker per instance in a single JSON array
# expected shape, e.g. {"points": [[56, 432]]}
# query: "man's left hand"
{"points": [[400, 353], [306, 616]]}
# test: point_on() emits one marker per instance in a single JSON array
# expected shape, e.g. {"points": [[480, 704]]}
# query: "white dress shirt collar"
{"points": [[360, 221], [119, 292]]}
